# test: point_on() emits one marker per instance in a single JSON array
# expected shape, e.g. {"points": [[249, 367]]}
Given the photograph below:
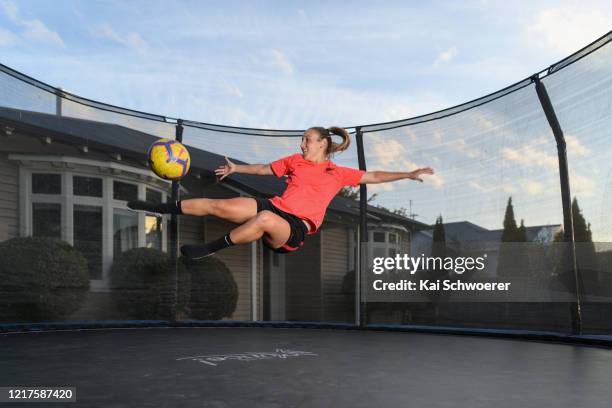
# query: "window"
{"points": [[47, 220], [87, 186], [379, 236], [379, 253], [154, 196], [125, 191], [46, 183], [88, 237], [153, 231], [88, 210], [125, 230], [384, 242]]}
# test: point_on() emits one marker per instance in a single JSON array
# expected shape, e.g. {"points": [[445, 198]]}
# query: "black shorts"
{"points": [[298, 228]]}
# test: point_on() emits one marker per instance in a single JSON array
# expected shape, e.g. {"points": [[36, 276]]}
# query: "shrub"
{"points": [[142, 284], [214, 292], [41, 279]]}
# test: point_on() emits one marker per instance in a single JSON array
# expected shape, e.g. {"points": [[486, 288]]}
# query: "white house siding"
{"points": [[303, 281], [9, 199], [238, 259], [334, 266]]}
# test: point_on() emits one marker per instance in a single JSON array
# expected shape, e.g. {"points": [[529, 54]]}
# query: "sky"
{"points": [[296, 64], [291, 64]]}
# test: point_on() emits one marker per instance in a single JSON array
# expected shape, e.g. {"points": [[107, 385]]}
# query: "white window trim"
{"points": [[65, 166]]}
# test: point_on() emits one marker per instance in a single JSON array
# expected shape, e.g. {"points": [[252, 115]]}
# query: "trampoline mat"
{"points": [[266, 367]]}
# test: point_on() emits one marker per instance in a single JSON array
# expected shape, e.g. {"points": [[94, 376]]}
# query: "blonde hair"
{"points": [[333, 147]]}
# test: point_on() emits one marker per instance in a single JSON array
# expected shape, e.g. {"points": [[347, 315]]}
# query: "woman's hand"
{"points": [[226, 170], [425, 170]]}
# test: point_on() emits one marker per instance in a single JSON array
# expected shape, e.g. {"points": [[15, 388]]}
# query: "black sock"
{"points": [[171, 207], [221, 243], [201, 251]]}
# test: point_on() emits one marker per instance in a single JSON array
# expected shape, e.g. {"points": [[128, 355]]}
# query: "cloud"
{"points": [[37, 31], [409, 133], [33, 30], [461, 146], [529, 156], [388, 151], [10, 9], [567, 29], [574, 147], [581, 186], [435, 180], [533, 187], [281, 62], [7, 38], [508, 188], [446, 56], [232, 90], [479, 187], [132, 41]]}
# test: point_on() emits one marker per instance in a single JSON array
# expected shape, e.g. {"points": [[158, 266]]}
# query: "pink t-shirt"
{"points": [[311, 186]]}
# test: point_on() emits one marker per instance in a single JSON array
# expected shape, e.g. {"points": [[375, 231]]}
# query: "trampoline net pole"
{"points": [[360, 303], [174, 233], [568, 224]]}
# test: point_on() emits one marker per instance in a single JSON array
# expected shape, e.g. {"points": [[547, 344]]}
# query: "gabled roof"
{"points": [[466, 231]]}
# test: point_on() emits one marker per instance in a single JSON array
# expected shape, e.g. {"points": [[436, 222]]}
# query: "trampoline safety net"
{"points": [[513, 231]]}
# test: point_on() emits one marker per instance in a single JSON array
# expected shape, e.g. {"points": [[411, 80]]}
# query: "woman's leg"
{"points": [[266, 225], [236, 210]]}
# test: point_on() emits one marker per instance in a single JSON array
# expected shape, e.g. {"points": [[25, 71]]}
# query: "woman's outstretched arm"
{"points": [[231, 167], [375, 177]]}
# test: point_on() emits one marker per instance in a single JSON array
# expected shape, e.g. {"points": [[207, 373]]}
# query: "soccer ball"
{"points": [[169, 159]]}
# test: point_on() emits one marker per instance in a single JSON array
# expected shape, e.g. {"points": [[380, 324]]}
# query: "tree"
{"points": [[586, 257], [513, 257], [439, 239], [349, 192], [510, 232]]}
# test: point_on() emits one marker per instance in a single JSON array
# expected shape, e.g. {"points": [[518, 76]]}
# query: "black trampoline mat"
{"points": [[266, 367]]}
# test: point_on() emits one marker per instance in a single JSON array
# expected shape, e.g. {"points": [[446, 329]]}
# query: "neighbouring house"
{"points": [[465, 237], [70, 179]]}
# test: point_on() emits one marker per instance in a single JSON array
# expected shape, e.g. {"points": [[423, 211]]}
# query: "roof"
{"points": [[465, 231]]}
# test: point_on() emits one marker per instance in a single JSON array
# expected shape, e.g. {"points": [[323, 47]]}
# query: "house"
{"points": [[467, 238], [70, 178]]}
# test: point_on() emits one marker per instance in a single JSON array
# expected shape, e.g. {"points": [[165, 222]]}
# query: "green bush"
{"points": [[214, 292], [142, 284], [40, 279]]}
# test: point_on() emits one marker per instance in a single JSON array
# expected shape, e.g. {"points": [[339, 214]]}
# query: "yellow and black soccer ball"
{"points": [[169, 159]]}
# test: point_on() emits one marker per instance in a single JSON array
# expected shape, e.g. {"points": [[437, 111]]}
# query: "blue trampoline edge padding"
{"points": [[589, 339]]}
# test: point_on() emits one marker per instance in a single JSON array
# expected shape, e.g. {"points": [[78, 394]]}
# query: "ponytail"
{"points": [[333, 147]]}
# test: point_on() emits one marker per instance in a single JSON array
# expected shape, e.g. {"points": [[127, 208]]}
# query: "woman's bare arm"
{"points": [[376, 177], [231, 167]]}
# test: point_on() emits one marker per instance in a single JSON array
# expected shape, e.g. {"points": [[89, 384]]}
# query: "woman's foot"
{"points": [[194, 252], [171, 207]]}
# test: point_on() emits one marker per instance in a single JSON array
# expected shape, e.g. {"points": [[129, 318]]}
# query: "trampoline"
{"points": [[289, 367], [95, 297]]}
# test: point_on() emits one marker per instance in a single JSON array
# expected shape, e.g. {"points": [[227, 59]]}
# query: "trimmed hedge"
{"points": [[142, 284], [214, 293], [40, 279]]}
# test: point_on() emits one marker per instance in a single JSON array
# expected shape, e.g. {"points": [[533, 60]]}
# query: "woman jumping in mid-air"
{"points": [[283, 222]]}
